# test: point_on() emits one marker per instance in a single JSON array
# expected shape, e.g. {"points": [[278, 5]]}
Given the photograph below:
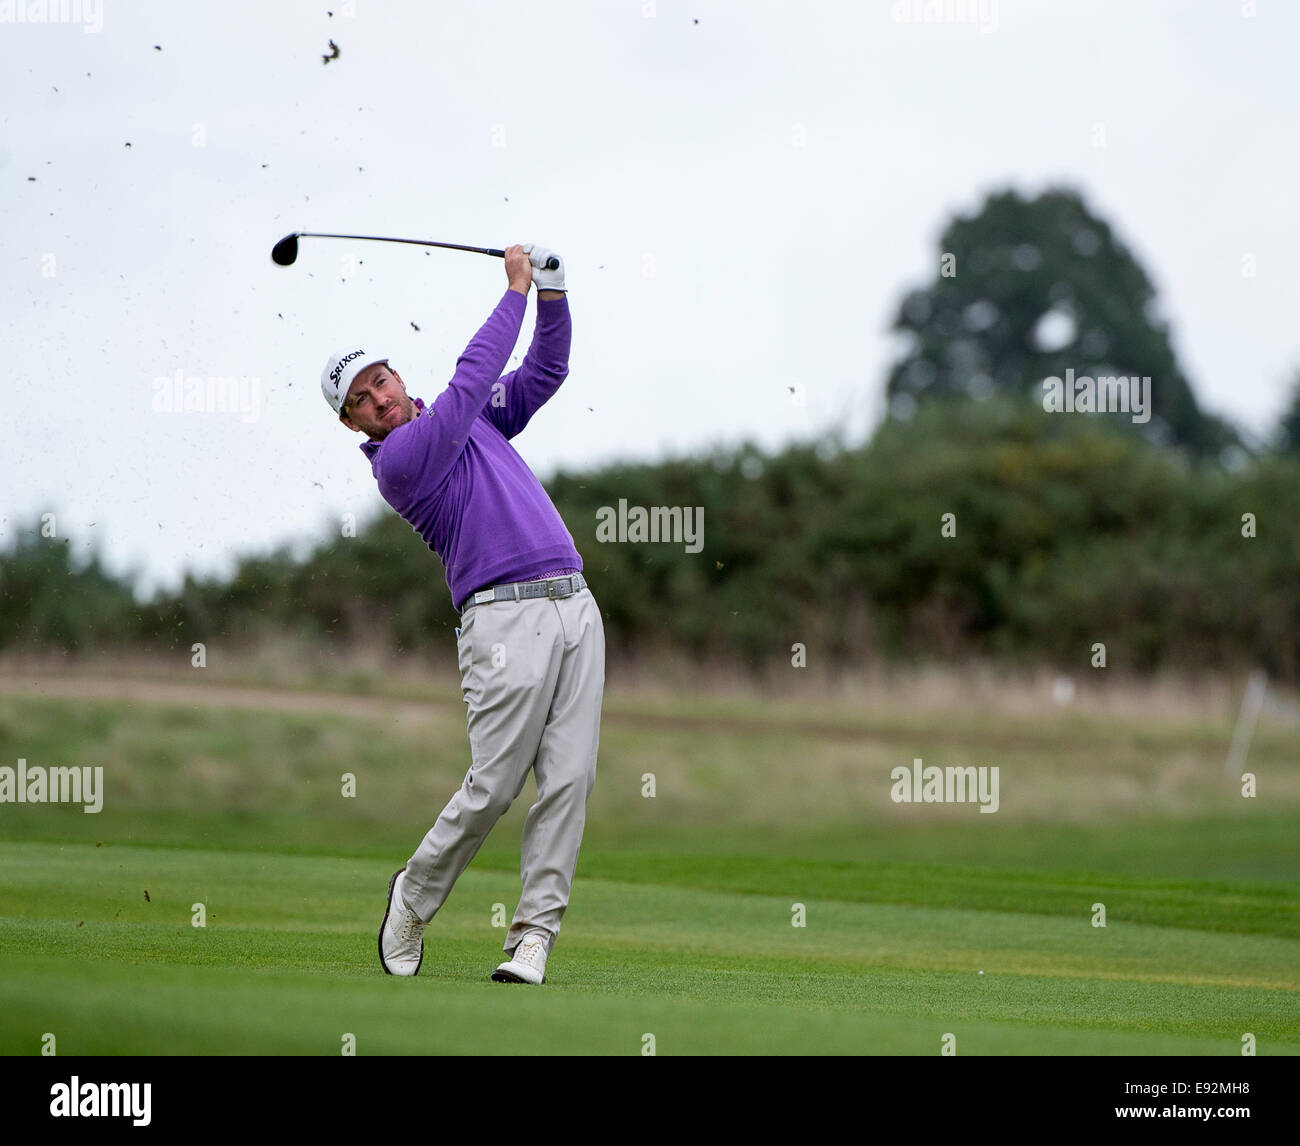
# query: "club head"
{"points": [[285, 251]]}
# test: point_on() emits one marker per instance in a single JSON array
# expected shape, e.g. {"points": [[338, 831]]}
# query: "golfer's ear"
{"points": [[349, 423]]}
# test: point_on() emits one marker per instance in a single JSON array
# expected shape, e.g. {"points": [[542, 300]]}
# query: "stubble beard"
{"points": [[407, 406]]}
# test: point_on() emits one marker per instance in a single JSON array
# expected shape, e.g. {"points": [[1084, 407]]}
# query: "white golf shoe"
{"points": [[528, 964], [401, 935]]}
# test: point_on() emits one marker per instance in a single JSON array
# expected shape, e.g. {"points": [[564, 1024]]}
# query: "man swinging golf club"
{"points": [[531, 642]]}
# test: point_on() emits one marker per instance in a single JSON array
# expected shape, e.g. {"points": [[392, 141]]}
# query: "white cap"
{"points": [[340, 372]]}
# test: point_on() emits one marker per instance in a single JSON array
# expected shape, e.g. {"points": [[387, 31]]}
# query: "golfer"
{"points": [[531, 642]]}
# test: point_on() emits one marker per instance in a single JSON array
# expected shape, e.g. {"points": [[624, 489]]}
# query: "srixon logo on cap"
{"points": [[334, 374]]}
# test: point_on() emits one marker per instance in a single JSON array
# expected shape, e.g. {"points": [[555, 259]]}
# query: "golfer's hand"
{"points": [[518, 269], [542, 278]]}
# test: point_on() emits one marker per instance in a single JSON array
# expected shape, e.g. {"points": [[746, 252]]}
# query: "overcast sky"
{"points": [[740, 203]]}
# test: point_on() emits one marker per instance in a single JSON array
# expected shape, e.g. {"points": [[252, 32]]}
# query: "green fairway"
{"points": [[680, 926], [287, 964]]}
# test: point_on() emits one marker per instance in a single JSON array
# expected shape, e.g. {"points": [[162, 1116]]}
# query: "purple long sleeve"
{"points": [[539, 376], [454, 476]]}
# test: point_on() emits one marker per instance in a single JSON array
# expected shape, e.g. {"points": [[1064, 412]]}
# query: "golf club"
{"points": [[285, 252]]}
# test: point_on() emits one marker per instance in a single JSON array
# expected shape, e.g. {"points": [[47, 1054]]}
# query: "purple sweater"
{"points": [[452, 472]]}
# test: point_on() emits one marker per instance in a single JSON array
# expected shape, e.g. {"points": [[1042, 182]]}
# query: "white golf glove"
{"points": [[542, 278]]}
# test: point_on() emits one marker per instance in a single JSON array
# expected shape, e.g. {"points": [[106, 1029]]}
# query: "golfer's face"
{"points": [[377, 403]]}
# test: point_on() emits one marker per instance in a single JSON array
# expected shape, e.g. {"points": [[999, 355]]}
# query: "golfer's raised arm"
{"points": [[430, 444], [540, 374]]}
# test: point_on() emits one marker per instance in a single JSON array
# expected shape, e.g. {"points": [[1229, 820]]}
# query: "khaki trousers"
{"points": [[533, 677]]}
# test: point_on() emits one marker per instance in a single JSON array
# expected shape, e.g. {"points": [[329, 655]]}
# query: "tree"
{"points": [[1028, 289], [49, 600], [1288, 427]]}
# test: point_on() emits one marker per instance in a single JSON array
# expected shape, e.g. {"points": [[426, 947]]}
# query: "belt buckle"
{"points": [[550, 595]]}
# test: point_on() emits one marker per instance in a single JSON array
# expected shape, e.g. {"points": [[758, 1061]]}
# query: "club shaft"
{"points": [[413, 242]]}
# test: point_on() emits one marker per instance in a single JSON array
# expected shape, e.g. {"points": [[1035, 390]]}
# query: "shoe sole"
{"points": [[500, 976], [392, 883]]}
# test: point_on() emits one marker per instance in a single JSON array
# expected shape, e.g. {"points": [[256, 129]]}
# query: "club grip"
{"points": [[552, 264]]}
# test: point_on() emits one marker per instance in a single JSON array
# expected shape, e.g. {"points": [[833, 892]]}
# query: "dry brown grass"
{"points": [[795, 749], [932, 689]]}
